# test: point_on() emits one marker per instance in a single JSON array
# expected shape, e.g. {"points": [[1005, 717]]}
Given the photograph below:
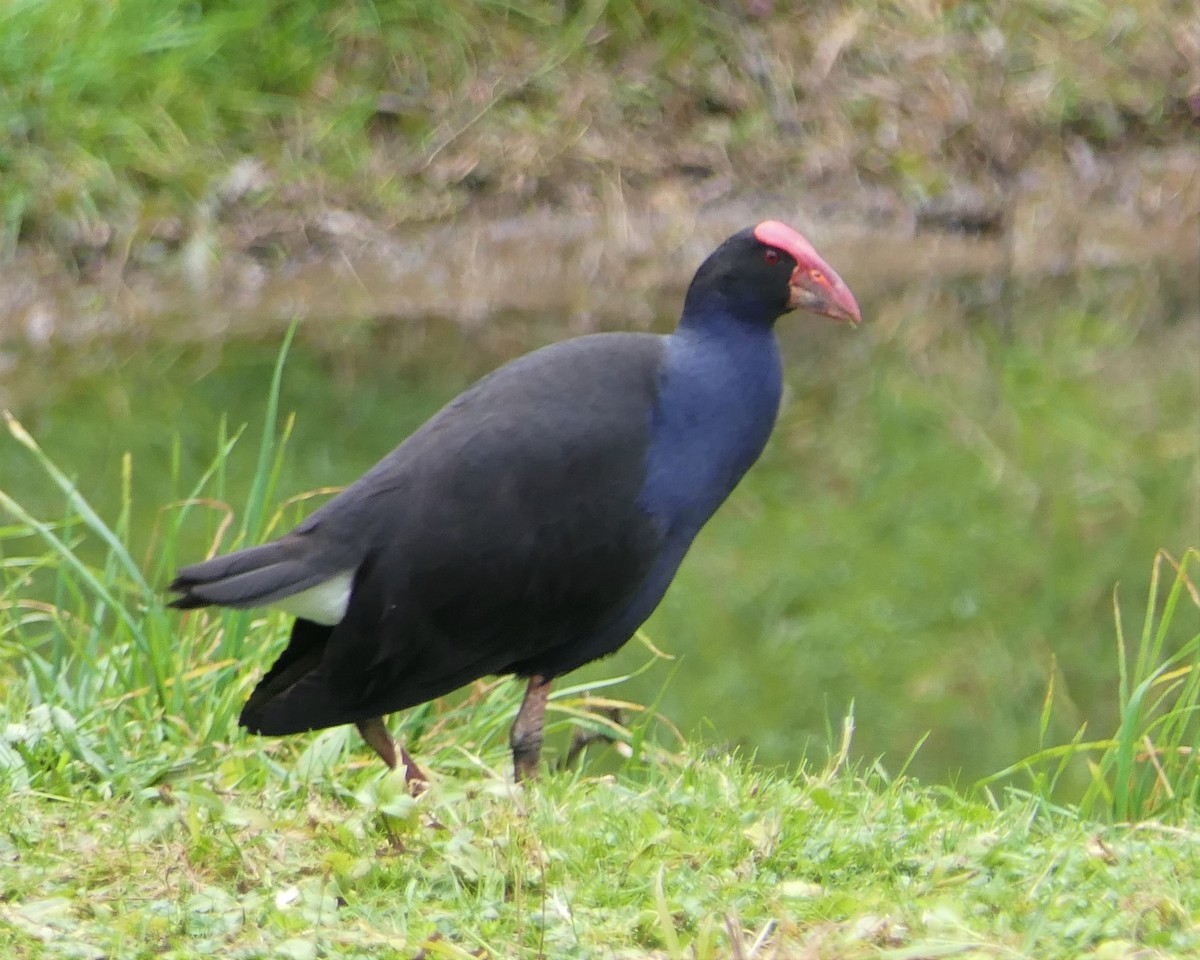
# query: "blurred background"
{"points": [[955, 491]]}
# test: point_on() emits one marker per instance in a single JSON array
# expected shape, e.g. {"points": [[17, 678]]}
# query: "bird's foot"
{"points": [[375, 733], [525, 762], [414, 776], [582, 739]]}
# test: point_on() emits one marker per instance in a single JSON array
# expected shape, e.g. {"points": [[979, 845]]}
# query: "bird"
{"points": [[535, 522]]}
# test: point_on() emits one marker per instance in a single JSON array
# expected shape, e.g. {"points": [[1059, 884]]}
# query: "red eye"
{"points": [[771, 256]]}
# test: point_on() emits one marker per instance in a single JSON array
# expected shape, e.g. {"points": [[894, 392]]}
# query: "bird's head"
{"points": [[765, 271]]}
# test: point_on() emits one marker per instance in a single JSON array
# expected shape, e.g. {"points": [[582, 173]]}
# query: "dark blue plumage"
{"points": [[535, 522]]}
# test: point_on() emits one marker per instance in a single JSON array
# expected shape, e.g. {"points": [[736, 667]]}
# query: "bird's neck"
{"points": [[719, 395], [739, 357], [706, 307]]}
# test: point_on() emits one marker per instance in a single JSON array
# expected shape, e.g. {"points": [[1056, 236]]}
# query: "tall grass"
{"points": [[106, 667], [1150, 765], [112, 679]]}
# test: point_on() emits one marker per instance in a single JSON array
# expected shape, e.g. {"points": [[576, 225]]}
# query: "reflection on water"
{"points": [[949, 498]]}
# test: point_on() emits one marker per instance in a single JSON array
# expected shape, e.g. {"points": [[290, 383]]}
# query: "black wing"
{"points": [[501, 534]]}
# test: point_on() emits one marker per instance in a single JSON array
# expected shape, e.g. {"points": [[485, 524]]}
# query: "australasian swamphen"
{"points": [[534, 523]]}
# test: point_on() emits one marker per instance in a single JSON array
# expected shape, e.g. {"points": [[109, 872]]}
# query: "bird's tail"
{"points": [[255, 577]]}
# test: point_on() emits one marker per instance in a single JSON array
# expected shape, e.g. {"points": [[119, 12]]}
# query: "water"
{"points": [[937, 525]]}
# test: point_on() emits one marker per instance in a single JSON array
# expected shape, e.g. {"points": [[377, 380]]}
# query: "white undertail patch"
{"points": [[325, 603]]}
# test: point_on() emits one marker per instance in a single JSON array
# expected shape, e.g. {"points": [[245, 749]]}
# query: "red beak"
{"points": [[825, 294], [815, 285]]}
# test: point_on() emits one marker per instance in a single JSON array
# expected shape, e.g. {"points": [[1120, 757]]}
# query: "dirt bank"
{"points": [[1142, 208]]}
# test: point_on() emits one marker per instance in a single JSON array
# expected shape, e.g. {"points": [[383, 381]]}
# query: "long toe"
{"points": [[414, 776]]}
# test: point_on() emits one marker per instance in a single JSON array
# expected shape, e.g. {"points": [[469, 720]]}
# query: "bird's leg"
{"points": [[525, 738], [378, 739]]}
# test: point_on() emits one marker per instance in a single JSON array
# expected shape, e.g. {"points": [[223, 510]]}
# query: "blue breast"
{"points": [[718, 399]]}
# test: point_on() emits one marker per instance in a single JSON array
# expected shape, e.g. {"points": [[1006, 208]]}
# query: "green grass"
{"points": [[697, 858], [137, 821]]}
